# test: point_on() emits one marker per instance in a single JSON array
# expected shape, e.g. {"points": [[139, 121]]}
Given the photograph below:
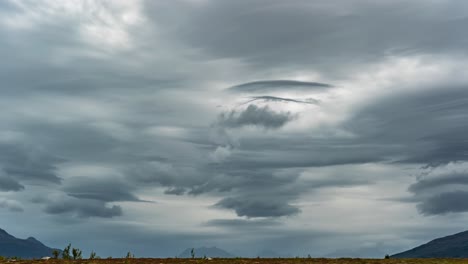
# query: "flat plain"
{"points": [[243, 261]]}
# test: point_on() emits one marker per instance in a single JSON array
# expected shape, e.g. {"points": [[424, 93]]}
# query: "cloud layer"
{"points": [[200, 123]]}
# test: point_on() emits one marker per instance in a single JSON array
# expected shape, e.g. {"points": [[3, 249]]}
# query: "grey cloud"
{"points": [[28, 163], [59, 91], [9, 184], [83, 208], [441, 193], [268, 98], [255, 116], [237, 224], [279, 85], [436, 182], [271, 191], [11, 205], [102, 189], [73, 140], [404, 128], [448, 202], [427, 127], [273, 152], [257, 207], [165, 174], [175, 191], [324, 35]]}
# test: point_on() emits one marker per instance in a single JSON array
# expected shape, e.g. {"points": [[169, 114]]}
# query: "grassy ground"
{"points": [[244, 261]]}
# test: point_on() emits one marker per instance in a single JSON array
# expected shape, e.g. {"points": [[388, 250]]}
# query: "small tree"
{"points": [[130, 255], [192, 253], [76, 253], [66, 252], [92, 255], [55, 254], [387, 256]]}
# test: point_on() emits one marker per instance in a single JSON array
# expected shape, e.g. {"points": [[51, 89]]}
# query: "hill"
{"points": [[11, 246], [212, 252], [454, 246]]}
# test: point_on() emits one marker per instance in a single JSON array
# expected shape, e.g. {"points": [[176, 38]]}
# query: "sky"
{"points": [[329, 128]]}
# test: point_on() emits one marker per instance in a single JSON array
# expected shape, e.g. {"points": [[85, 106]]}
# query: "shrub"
{"points": [[66, 252], [192, 253], [92, 255], [55, 254], [76, 253], [387, 256]]}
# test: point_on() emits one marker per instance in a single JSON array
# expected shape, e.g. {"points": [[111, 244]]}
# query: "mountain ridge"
{"points": [[30, 247], [451, 246]]}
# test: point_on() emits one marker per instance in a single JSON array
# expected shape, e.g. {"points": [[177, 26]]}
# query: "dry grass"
{"points": [[243, 261]]}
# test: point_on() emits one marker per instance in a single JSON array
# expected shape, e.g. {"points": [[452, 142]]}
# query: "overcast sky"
{"points": [[330, 128]]}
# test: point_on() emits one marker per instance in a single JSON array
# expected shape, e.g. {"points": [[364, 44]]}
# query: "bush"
{"points": [[55, 254], [66, 252], [76, 253], [387, 256], [92, 255]]}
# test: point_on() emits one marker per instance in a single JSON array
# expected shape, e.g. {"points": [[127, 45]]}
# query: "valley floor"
{"points": [[243, 261]]}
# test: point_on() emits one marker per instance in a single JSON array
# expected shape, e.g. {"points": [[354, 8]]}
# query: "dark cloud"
{"points": [[102, 189], [322, 35], [279, 85], [102, 104], [175, 191], [83, 208], [29, 163], [439, 192], [436, 182], [257, 207], [9, 184], [267, 98], [448, 202], [237, 224], [273, 152], [255, 116], [177, 178], [427, 127]]}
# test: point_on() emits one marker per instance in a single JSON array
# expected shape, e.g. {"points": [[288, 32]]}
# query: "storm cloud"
{"points": [[251, 207], [448, 202], [255, 116], [9, 184], [335, 124], [82, 208]]}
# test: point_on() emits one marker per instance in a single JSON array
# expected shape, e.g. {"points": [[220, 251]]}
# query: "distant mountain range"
{"points": [[212, 252], [454, 246], [11, 246]]}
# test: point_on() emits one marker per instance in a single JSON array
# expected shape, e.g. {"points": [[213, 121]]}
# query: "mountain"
{"points": [[212, 252], [11, 246], [454, 246]]}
